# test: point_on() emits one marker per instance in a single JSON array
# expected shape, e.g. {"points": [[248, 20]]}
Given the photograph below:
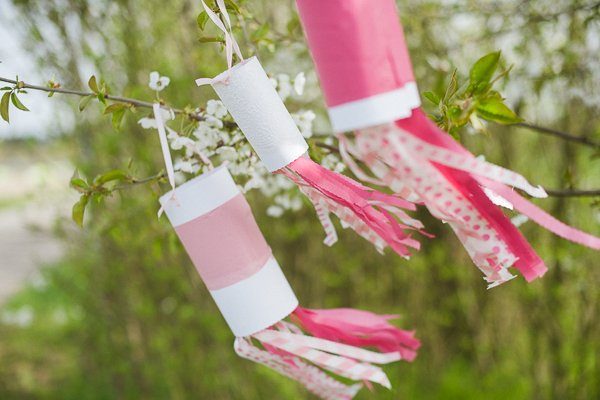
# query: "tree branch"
{"points": [[573, 192], [118, 99], [331, 148], [560, 134]]}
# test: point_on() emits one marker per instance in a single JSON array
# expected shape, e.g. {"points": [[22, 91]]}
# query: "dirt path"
{"points": [[32, 195]]}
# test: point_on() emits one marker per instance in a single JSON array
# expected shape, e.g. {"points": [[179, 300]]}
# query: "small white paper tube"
{"points": [[258, 110], [261, 296]]}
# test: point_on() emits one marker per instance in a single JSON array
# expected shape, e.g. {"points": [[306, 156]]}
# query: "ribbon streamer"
{"points": [[405, 150], [164, 144]]}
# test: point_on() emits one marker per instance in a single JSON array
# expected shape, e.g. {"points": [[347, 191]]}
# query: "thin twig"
{"points": [[573, 192], [118, 99], [331, 148], [560, 134]]}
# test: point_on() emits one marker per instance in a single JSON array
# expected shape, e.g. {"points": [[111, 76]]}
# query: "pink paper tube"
{"points": [[361, 57], [216, 226], [364, 67]]}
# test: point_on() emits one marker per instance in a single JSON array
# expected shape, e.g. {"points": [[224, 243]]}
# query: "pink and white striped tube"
{"points": [[216, 226], [258, 110], [365, 71]]}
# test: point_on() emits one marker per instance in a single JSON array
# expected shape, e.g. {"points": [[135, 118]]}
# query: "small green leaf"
{"points": [[84, 102], [50, 94], [79, 184], [260, 33], [482, 71], [114, 107], [432, 97], [101, 98], [79, 209], [494, 109], [17, 103], [114, 175], [202, 20], [6, 88], [93, 84], [117, 118], [4, 106]]}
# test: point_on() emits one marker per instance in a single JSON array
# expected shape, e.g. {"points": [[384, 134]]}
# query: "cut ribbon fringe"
{"points": [[422, 163], [335, 347], [370, 213]]}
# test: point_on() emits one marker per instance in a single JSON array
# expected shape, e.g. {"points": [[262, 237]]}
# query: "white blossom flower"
{"points": [[227, 153], [299, 82], [186, 166], [158, 82], [216, 108], [304, 121], [150, 123], [274, 211], [182, 141], [273, 82], [332, 162], [284, 86]]}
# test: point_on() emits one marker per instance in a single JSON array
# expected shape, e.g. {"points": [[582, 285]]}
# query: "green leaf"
{"points": [[202, 20], [114, 175], [432, 97], [482, 71], [494, 109], [117, 118], [50, 94], [260, 33], [114, 107], [84, 102], [4, 106], [79, 209], [93, 84], [6, 88], [101, 98], [17, 103]]}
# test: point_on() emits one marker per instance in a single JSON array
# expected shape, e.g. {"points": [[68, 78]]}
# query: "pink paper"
{"points": [[352, 59], [225, 245]]}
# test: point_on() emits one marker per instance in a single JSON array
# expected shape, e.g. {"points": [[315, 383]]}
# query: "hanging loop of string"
{"points": [[164, 144], [231, 45]]}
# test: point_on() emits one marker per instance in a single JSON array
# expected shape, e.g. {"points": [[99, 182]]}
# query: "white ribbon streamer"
{"points": [[164, 144]]}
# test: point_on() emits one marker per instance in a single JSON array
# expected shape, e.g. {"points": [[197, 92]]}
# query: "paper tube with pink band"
{"points": [[262, 117], [365, 71], [216, 226]]}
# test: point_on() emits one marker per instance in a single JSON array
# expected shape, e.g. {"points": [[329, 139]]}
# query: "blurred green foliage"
{"points": [[125, 316]]}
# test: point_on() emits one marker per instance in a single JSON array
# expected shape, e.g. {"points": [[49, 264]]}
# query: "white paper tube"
{"points": [[258, 110]]}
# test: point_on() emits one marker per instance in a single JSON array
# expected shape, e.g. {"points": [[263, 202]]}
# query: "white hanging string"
{"points": [[231, 45], [164, 144]]}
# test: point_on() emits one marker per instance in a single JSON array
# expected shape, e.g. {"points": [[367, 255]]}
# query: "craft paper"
{"points": [[365, 71], [261, 115], [216, 226]]}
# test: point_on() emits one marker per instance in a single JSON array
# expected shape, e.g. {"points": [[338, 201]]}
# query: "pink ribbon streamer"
{"points": [[362, 202]]}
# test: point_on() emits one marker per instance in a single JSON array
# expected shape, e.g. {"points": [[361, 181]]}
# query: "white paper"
{"points": [[258, 110], [199, 195], [375, 110], [257, 302]]}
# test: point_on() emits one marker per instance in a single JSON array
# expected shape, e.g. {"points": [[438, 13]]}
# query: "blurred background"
{"points": [[116, 311]]}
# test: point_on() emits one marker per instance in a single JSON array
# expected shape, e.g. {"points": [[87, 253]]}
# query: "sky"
{"points": [[47, 117]]}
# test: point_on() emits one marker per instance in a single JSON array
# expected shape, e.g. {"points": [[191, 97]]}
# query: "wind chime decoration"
{"points": [[215, 224], [262, 117], [365, 72]]}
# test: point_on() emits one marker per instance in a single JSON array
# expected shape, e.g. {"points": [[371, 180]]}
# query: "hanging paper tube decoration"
{"points": [[365, 71], [262, 117], [216, 226]]}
